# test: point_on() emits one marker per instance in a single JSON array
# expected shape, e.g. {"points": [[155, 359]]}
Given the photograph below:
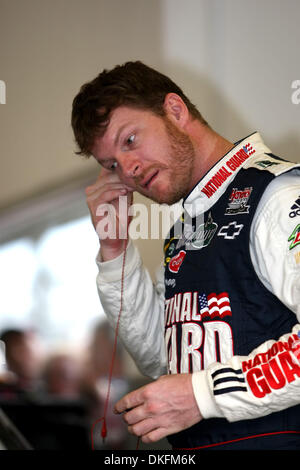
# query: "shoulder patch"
{"points": [[294, 238], [271, 163]]}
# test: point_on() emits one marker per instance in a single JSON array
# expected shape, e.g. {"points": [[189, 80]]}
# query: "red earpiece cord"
{"points": [[104, 428]]}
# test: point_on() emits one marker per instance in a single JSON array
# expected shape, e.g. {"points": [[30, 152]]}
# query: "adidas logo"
{"points": [[295, 209]]}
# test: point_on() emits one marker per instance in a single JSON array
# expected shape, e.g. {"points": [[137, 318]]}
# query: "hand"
{"points": [[110, 219], [160, 408]]}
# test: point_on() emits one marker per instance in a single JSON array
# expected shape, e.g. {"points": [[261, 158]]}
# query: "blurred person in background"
{"points": [[41, 395], [24, 355], [62, 376]]}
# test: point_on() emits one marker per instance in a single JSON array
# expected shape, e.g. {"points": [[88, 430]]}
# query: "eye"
{"points": [[113, 166], [130, 139]]}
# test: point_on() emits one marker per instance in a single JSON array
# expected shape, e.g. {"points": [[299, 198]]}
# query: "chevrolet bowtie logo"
{"points": [[230, 231]]}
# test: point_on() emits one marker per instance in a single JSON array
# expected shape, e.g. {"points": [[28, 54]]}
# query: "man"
{"points": [[224, 323], [24, 356]]}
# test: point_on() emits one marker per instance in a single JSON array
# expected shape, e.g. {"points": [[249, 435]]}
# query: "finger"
{"points": [[108, 175], [131, 400], [135, 415], [105, 172], [104, 194], [101, 181], [143, 427], [155, 435], [97, 189], [110, 205], [105, 175]]}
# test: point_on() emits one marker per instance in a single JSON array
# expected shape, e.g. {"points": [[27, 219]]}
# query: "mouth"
{"points": [[150, 178]]}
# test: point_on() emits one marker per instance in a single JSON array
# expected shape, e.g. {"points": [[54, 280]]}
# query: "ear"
{"points": [[176, 109]]}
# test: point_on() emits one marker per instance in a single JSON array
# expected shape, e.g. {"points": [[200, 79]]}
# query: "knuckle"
{"points": [[138, 431], [88, 190], [151, 407], [126, 404], [150, 439], [131, 429], [162, 377], [148, 392]]}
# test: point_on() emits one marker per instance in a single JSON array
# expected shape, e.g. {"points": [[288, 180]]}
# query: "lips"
{"points": [[148, 180]]}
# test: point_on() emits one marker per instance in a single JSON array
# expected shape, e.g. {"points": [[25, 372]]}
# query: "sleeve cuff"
{"points": [[202, 387], [110, 271]]}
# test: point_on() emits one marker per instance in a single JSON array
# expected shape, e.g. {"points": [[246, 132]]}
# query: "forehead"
{"points": [[123, 118]]}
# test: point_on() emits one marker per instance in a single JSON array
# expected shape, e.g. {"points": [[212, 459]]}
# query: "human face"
{"points": [[149, 153]]}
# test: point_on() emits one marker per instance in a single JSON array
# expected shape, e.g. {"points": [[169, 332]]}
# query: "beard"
{"points": [[179, 166]]}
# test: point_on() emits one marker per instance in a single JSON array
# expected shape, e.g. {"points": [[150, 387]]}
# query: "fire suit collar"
{"points": [[213, 185]]}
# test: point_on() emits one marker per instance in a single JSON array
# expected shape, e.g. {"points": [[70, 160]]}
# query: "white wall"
{"points": [[48, 49], [239, 59], [236, 59]]}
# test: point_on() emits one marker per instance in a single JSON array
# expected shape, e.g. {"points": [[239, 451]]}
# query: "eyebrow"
{"points": [[119, 133], [116, 139]]}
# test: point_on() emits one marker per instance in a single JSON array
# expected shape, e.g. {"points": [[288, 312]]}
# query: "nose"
{"points": [[130, 165]]}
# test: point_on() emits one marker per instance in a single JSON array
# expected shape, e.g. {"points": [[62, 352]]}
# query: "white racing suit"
{"points": [[228, 307]]}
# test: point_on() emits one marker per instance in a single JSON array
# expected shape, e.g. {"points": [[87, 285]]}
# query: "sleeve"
{"points": [[141, 326], [268, 379]]}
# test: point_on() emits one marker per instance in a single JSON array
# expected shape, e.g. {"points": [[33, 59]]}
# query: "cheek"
{"points": [[157, 150]]}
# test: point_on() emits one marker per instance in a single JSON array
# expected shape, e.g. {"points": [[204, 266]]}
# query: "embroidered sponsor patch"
{"points": [[296, 348], [170, 282], [265, 163], [198, 237], [176, 261], [230, 231], [295, 209], [169, 250], [273, 369], [194, 307], [238, 201], [196, 332], [294, 238], [232, 164]]}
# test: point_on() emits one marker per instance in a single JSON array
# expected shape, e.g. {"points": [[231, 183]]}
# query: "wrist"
{"points": [[202, 387], [110, 270], [109, 253]]}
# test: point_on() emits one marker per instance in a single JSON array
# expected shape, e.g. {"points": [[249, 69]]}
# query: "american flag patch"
{"points": [[214, 305]]}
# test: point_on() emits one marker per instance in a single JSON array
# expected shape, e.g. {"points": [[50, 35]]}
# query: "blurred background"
{"points": [[237, 60]]}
